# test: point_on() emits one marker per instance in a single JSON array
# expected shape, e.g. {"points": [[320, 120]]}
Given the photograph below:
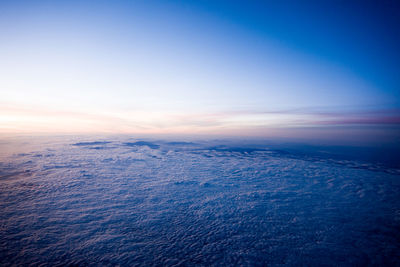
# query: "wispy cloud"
{"points": [[16, 118]]}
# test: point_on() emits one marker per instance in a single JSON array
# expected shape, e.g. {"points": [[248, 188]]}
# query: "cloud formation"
{"points": [[305, 123]]}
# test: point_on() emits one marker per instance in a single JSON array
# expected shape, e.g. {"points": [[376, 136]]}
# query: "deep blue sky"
{"points": [[361, 36]]}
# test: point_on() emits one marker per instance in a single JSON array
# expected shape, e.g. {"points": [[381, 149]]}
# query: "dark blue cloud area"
{"points": [[181, 143], [142, 143], [244, 150], [94, 143]]}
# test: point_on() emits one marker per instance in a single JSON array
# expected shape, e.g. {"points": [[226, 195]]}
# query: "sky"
{"points": [[297, 69]]}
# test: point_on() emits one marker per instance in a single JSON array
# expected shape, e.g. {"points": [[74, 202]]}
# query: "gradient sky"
{"points": [[249, 68]]}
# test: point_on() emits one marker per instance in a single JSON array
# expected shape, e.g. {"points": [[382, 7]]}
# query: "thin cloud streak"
{"points": [[15, 118]]}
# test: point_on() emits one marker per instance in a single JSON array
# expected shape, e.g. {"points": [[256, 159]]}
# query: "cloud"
{"points": [[267, 123]]}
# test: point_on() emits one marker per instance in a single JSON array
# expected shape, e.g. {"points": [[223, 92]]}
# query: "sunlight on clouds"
{"points": [[356, 127], [42, 120]]}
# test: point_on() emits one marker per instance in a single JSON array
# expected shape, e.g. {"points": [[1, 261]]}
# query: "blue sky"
{"points": [[224, 67]]}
